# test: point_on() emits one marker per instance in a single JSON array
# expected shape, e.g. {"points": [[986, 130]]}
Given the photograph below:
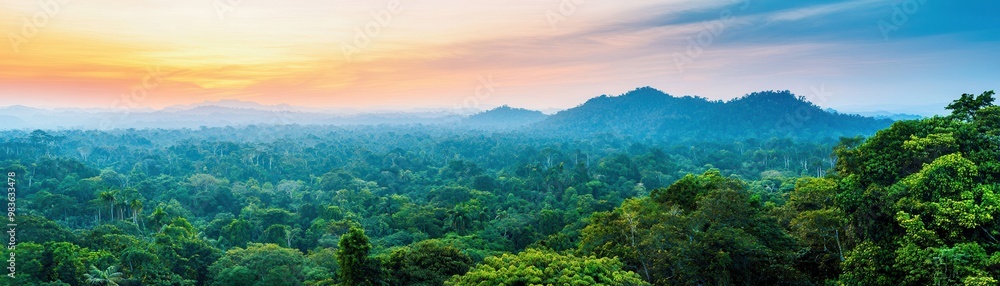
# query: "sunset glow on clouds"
{"points": [[537, 54]]}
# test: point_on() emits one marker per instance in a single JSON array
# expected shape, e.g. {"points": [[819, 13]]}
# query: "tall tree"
{"points": [[136, 206], [352, 255], [109, 198]]}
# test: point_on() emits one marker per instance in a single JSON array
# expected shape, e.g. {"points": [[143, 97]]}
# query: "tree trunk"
{"points": [[836, 233]]}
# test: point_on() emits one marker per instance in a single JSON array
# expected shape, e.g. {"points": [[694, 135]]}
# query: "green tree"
{"points": [[237, 233], [109, 276], [42, 230], [725, 237], [186, 254], [158, 217], [966, 107], [262, 264], [459, 219], [429, 262], [356, 268], [685, 192], [538, 267], [811, 215], [108, 197], [141, 264], [136, 207], [59, 261], [67, 262], [923, 201], [277, 234]]}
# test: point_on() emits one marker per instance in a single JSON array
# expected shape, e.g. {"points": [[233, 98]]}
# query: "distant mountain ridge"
{"points": [[641, 113], [890, 115], [650, 113], [232, 103], [202, 115], [504, 117]]}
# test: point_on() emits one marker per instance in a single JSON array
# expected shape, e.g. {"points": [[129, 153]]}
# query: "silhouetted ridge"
{"points": [[505, 117], [648, 112]]}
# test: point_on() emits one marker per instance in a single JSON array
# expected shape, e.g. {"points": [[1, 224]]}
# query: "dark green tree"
{"points": [[237, 233], [356, 268], [428, 262], [263, 264]]}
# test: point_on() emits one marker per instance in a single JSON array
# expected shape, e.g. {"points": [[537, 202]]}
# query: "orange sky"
{"points": [[91, 53], [432, 53]]}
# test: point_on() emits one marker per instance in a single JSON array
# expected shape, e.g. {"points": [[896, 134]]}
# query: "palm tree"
{"points": [[113, 202], [158, 216], [108, 197], [136, 207], [111, 276], [98, 203], [459, 218]]}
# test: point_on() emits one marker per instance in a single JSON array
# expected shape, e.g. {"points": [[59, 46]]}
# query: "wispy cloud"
{"points": [[433, 52], [798, 14]]}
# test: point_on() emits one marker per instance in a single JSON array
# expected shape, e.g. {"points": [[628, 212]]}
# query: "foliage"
{"points": [[724, 238], [108, 276], [538, 267], [356, 267], [429, 262], [628, 190], [922, 200], [264, 264]]}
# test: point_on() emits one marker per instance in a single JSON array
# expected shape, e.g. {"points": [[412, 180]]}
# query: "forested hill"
{"points": [[649, 113], [644, 113], [504, 117]]}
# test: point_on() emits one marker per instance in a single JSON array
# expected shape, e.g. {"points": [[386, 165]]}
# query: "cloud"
{"points": [[818, 10], [433, 52]]}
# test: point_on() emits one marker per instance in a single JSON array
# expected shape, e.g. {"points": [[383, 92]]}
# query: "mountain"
{"points": [[233, 103], [504, 117], [208, 115], [925, 110], [641, 113], [650, 113], [891, 115]]}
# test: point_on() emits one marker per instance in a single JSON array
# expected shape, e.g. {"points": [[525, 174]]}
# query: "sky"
{"points": [[913, 55]]}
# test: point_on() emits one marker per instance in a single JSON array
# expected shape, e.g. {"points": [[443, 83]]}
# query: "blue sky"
{"points": [[859, 55], [854, 53]]}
